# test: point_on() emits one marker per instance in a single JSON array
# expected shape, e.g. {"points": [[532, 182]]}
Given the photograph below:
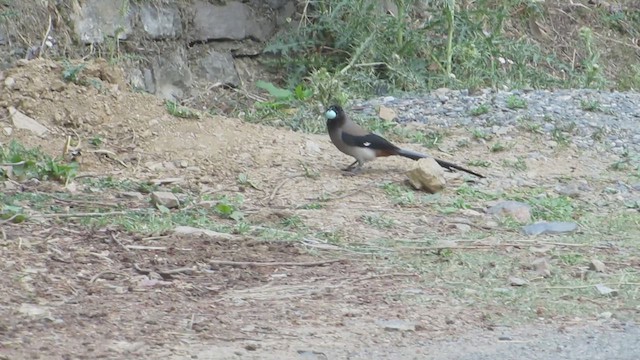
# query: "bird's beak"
{"points": [[330, 114]]}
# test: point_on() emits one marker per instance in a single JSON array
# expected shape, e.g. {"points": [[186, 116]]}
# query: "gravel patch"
{"points": [[587, 117]]}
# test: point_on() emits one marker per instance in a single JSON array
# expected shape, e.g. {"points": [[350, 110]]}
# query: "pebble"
{"points": [[517, 210], [397, 325], [549, 228], [614, 120]]}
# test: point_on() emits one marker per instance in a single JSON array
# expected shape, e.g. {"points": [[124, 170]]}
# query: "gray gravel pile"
{"points": [[587, 117]]}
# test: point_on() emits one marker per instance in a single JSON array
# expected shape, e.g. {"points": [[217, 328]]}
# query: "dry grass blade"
{"points": [[276, 263]]}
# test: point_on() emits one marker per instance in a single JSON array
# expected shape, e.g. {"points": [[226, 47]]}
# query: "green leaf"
{"points": [[224, 209], [278, 93]]}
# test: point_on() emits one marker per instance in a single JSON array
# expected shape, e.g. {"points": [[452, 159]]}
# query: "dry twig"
{"points": [[163, 272], [251, 263], [587, 286], [380, 276], [100, 274], [93, 214]]}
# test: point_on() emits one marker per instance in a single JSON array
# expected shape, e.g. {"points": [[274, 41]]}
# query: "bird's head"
{"points": [[333, 112]]}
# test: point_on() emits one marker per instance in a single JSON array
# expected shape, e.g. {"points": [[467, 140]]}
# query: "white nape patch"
{"points": [[330, 114], [366, 144]]}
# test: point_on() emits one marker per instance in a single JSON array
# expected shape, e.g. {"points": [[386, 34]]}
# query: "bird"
{"points": [[351, 139]]}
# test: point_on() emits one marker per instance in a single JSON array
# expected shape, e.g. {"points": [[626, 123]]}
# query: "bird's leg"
{"points": [[354, 170], [350, 167]]}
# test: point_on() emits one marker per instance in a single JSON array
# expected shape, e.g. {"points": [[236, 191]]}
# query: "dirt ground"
{"points": [[75, 291]]}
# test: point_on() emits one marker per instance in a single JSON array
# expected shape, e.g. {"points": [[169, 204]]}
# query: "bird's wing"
{"points": [[371, 141]]}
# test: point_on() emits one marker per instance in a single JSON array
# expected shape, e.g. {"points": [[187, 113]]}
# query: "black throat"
{"points": [[337, 122]]}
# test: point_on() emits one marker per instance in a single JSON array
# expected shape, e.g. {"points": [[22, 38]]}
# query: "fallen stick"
{"points": [[160, 248], [162, 272], [83, 202], [251, 263], [9, 219], [13, 164], [587, 286], [380, 276], [94, 214], [98, 275], [117, 241]]}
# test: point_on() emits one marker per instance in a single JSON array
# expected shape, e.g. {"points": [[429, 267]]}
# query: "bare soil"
{"points": [[73, 288]]}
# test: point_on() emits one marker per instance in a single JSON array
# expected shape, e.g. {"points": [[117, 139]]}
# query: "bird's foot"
{"points": [[352, 171]]}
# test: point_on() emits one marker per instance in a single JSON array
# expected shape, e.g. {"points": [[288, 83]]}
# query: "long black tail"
{"points": [[445, 164]]}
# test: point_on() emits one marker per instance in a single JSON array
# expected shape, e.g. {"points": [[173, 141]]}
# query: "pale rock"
{"points": [[519, 211], [131, 195], [154, 166], [22, 121], [606, 291], [397, 325], [427, 175], [312, 147], [597, 265], [10, 83], [542, 267], [165, 198], [386, 113], [33, 310], [470, 212], [463, 228], [188, 230], [516, 281], [554, 227]]}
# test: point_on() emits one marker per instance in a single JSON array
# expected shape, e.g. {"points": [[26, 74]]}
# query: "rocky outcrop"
{"points": [[184, 44]]}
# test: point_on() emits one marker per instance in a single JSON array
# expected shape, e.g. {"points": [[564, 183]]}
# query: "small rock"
{"points": [[597, 265], [541, 248], [58, 85], [463, 228], [516, 281], [154, 166], [165, 198], [22, 121], [470, 212], [397, 325], [251, 347], [519, 211], [131, 195], [9, 185], [427, 175], [8, 131], [33, 310], [502, 290], [312, 147], [312, 355], [386, 113], [541, 266], [505, 338], [570, 190], [9, 83], [188, 230], [605, 290], [605, 315], [470, 291], [549, 228], [169, 165]]}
